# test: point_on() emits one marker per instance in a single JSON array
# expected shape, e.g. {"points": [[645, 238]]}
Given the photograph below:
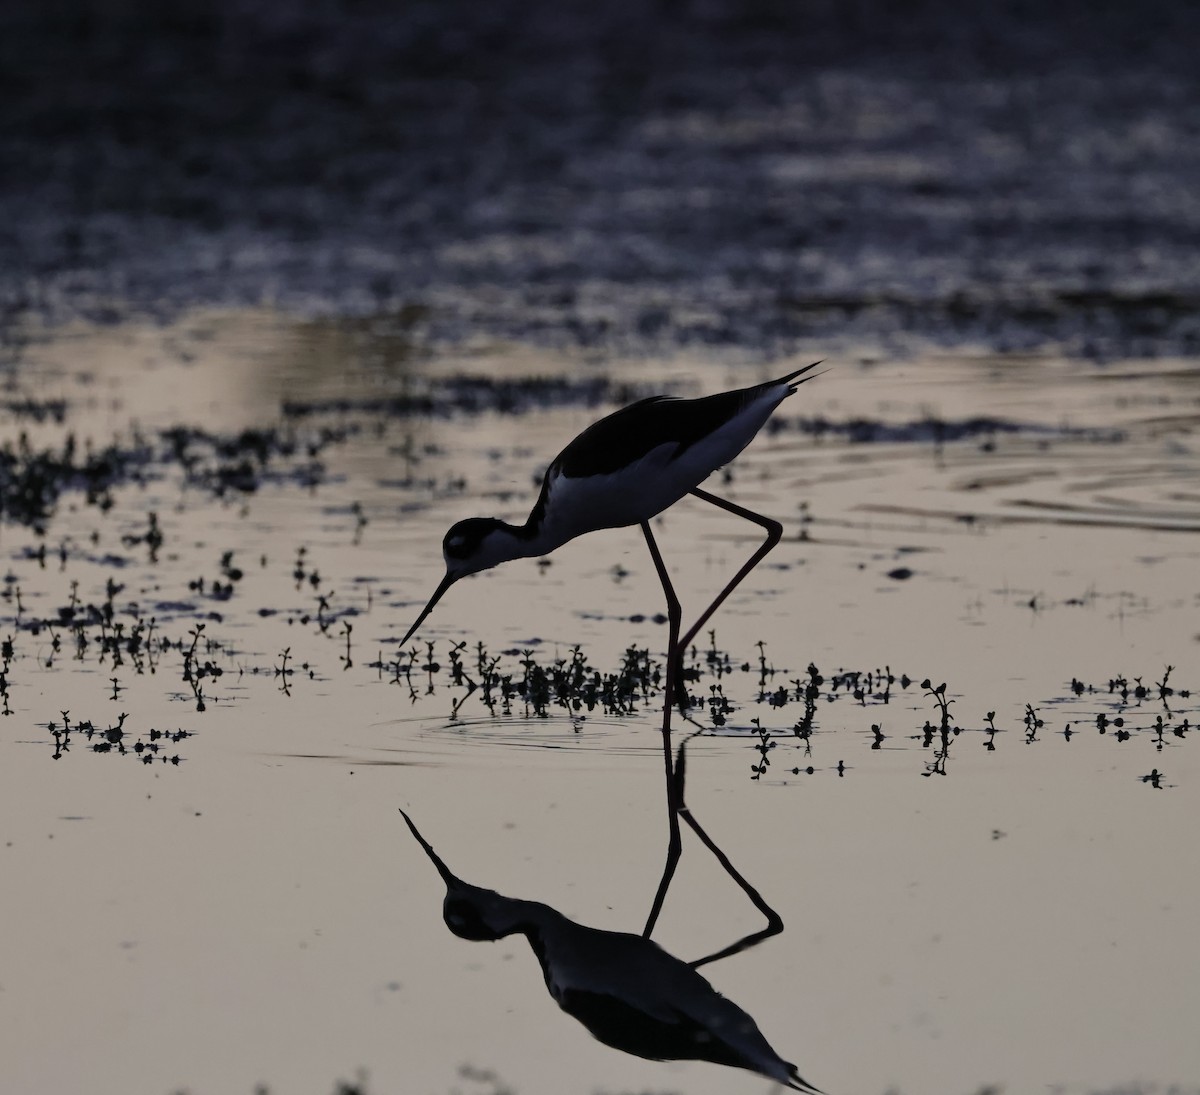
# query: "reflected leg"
{"points": [[674, 615], [774, 920]]}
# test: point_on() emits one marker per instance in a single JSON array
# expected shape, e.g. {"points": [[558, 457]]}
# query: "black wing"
{"points": [[626, 1027], [627, 435]]}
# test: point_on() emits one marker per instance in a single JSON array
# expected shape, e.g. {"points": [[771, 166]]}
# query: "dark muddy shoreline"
{"points": [[748, 177]]}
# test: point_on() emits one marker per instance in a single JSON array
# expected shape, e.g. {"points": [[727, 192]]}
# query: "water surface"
{"points": [[247, 906]]}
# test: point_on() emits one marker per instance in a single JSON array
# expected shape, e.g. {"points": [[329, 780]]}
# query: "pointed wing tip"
{"points": [[802, 376], [796, 1082]]}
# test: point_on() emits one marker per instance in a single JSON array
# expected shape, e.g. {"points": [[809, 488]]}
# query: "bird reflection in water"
{"points": [[629, 992]]}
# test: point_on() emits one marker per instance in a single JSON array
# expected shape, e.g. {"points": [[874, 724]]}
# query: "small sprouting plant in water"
{"points": [[1033, 723], [764, 745]]}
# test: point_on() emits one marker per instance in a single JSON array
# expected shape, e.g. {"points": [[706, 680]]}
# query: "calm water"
{"points": [[258, 913]]}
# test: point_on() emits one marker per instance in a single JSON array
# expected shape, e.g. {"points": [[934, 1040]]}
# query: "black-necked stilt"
{"points": [[625, 989], [624, 470]]}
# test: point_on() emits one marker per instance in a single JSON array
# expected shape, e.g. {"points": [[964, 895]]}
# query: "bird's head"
{"points": [[472, 912], [476, 544]]}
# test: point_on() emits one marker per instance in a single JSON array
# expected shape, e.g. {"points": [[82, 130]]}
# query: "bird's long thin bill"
{"points": [[447, 582], [443, 870]]}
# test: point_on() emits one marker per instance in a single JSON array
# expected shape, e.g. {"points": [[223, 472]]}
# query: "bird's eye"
{"points": [[456, 545]]}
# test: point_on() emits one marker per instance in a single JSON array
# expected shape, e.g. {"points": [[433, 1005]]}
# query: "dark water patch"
{"points": [[1047, 512], [175, 608], [937, 431], [36, 410], [41, 554], [34, 480], [239, 463], [1101, 324], [460, 394]]}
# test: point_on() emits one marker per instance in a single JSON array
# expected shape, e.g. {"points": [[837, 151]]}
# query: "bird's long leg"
{"points": [[674, 618], [774, 535]]}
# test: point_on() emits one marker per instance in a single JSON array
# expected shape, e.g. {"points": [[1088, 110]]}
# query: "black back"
{"points": [[627, 435]]}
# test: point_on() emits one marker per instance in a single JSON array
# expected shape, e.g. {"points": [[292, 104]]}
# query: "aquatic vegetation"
{"points": [[148, 746], [133, 598], [724, 693]]}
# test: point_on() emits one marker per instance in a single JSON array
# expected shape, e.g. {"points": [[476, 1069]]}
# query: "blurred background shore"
{"points": [[630, 177]]}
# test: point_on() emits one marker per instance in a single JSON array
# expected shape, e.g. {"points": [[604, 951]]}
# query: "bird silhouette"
{"points": [[624, 470], [625, 989]]}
